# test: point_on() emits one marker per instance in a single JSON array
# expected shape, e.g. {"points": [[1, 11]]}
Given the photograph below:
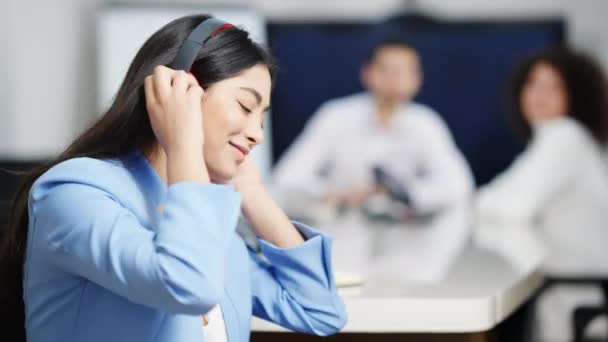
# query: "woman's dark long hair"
{"points": [[124, 126], [585, 84]]}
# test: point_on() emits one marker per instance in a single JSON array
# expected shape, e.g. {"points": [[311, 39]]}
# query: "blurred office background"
{"points": [[49, 63]]}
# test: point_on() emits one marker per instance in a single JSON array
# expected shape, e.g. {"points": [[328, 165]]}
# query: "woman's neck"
{"points": [[158, 160]]}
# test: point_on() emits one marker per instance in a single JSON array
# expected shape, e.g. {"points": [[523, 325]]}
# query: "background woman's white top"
{"points": [[559, 186]]}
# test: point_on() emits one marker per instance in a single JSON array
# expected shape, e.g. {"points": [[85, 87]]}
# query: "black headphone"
{"points": [[195, 42]]}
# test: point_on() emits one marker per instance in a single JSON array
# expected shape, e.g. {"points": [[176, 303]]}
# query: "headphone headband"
{"points": [[195, 41]]}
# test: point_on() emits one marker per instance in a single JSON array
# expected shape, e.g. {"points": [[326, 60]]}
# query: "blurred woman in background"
{"points": [[558, 186]]}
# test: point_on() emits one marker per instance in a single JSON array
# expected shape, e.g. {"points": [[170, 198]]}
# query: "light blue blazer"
{"points": [[113, 255]]}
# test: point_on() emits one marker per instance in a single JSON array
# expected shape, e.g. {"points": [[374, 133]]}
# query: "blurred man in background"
{"points": [[352, 143], [391, 159]]}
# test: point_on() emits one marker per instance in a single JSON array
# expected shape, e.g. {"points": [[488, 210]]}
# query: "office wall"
{"points": [[5, 123], [48, 52]]}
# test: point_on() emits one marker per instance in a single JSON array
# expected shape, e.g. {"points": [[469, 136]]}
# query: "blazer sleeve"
{"points": [[295, 287]]}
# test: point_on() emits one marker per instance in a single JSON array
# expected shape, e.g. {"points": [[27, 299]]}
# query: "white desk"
{"points": [[481, 291], [474, 290]]}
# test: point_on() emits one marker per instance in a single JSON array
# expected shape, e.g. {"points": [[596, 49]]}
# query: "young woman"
{"points": [[559, 185], [129, 235]]}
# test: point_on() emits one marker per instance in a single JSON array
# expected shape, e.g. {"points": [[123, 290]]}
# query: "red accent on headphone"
{"points": [[225, 26]]}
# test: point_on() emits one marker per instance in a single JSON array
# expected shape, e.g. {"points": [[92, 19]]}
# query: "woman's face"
{"points": [[233, 117], [544, 95]]}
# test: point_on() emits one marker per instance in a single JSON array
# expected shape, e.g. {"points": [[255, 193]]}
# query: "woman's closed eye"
{"points": [[244, 108]]}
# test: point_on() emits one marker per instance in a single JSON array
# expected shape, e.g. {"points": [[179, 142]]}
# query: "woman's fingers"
{"points": [[162, 77], [149, 91]]}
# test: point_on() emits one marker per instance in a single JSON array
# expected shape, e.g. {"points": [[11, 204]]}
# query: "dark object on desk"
{"points": [[391, 211], [395, 189], [404, 210]]}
